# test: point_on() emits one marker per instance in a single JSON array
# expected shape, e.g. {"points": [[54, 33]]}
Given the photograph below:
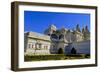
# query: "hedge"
{"points": [[43, 57]]}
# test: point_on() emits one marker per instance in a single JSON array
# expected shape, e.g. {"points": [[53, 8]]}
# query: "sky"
{"points": [[39, 21]]}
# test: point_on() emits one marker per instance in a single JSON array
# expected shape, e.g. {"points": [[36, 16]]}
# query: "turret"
{"points": [[78, 28], [63, 30], [50, 30], [83, 30], [86, 29], [86, 33]]}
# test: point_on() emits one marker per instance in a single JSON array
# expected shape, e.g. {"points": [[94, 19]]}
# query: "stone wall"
{"points": [[82, 47], [36, 44]]}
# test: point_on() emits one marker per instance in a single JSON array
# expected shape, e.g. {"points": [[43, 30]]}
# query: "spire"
{"points": [[83, 30], [86, 29], [78, 28], [86, 33], [53, 27]]}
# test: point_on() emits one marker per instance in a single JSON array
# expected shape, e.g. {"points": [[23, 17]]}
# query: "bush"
{"points": [[77, 56], [87, 56], [73, 51], [60, 51]]}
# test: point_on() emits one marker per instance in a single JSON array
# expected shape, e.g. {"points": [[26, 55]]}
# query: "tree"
{"points": [[73, 51], [60, 51]]}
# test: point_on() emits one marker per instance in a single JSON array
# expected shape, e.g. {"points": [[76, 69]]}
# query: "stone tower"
{"points": [[52, 28], [78, 28], [86, 33], [77, 34]]}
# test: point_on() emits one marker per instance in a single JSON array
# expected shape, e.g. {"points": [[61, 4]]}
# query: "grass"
{"points": [[42, 57], [54, 57]]}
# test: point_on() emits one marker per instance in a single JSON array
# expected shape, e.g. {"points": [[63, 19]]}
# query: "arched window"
{"points": [[54, 36], [61, 36]]}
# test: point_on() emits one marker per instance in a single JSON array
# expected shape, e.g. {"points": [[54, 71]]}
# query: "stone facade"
{"points": [[54, 39], [82, 47], [36, 43]]}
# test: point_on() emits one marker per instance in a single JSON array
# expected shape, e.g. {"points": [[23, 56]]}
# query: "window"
{"points": [[54, 36], [61, 36], [29, 45], [53, 46], [46, 47], [32, 45], [35, 45], [39, 45]]}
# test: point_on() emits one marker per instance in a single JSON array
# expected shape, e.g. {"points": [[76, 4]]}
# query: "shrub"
{"points": [[73, 51], [60, 51]]}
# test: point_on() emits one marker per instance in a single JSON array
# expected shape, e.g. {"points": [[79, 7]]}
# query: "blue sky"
{"points": [[39, 21]]}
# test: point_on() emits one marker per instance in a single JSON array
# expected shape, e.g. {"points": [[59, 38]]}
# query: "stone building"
{"points": [[54, 39], [35, 43]]}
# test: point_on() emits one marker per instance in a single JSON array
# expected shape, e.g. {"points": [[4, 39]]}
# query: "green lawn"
{"points": [[54, 57]]}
